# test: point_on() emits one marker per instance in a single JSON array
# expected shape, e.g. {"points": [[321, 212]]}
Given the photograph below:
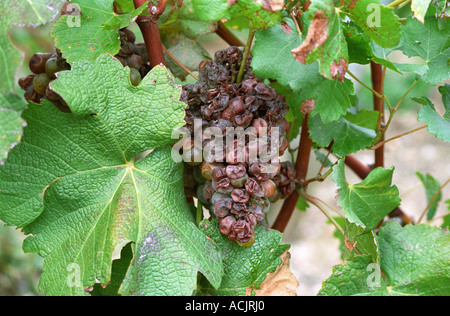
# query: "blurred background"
{"points": [[314, 249]]}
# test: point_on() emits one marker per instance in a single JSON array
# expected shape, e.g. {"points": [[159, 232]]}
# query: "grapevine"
{"points": [[170, 147]]}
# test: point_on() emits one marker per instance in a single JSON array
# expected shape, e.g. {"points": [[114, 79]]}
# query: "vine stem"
{"points": [[150, 31], [225, 34], [247, 50], [179, 63], [395, 3], [301, 168], [377, 75], [313, 201], [398, 136], [396, 107], [432, 200]]}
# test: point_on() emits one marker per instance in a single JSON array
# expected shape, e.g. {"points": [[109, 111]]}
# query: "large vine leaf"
{"points": [[74, 184], [245, 269], [95, 32], [260, 13], [369, 201], [414, 260]]}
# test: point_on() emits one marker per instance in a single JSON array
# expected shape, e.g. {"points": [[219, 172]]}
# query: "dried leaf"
{"points": [[317, 35], [307, 106], [272, 5], [281, 282], [339, 70]]}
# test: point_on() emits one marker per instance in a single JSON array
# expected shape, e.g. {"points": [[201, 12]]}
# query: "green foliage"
{"points": [[101, 200], [97, 33], [412, 265], [368, 202], [244, 268]]}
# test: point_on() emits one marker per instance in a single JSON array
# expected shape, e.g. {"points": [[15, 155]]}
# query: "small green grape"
{"points": [[51, 67], [40, 83], [135, 77], [248, 243]]}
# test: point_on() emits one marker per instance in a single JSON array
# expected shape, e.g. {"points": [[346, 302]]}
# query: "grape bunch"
{"points": [[237, 187], [133, 55], [45, 66]]}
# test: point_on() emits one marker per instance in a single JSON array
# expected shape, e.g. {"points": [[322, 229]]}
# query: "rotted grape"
{"points": [[238, 190], [37, 86]]}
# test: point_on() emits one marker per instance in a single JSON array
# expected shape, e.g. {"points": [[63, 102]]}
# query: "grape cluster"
{"points": [[237, 191], [133, 55], [44, 67]]}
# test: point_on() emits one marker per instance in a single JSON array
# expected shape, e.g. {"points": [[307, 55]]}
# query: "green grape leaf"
{"points": [[413, 265], [444, 90], [329, 98], [30, 12], [245, 268], [272, 58], [10, 124], [92, 31], [260, 14], [438, 125], [75, 185], [350, 133], [368, 202], [432, 186], [180, 17], [358, 241], [353, 278], [429, 42], [415, 259], [362, 50], [324, 41], [420, 8], [377, 21], [208, 10], [125, 5], [10, 58]]}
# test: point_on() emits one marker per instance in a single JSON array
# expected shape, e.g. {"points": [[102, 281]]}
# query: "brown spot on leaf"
{"points": [[286, 28], [349, 4], [348, 244], [271, 5], [317, 35], [231, 2], [307, 106], [339, 70]]}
